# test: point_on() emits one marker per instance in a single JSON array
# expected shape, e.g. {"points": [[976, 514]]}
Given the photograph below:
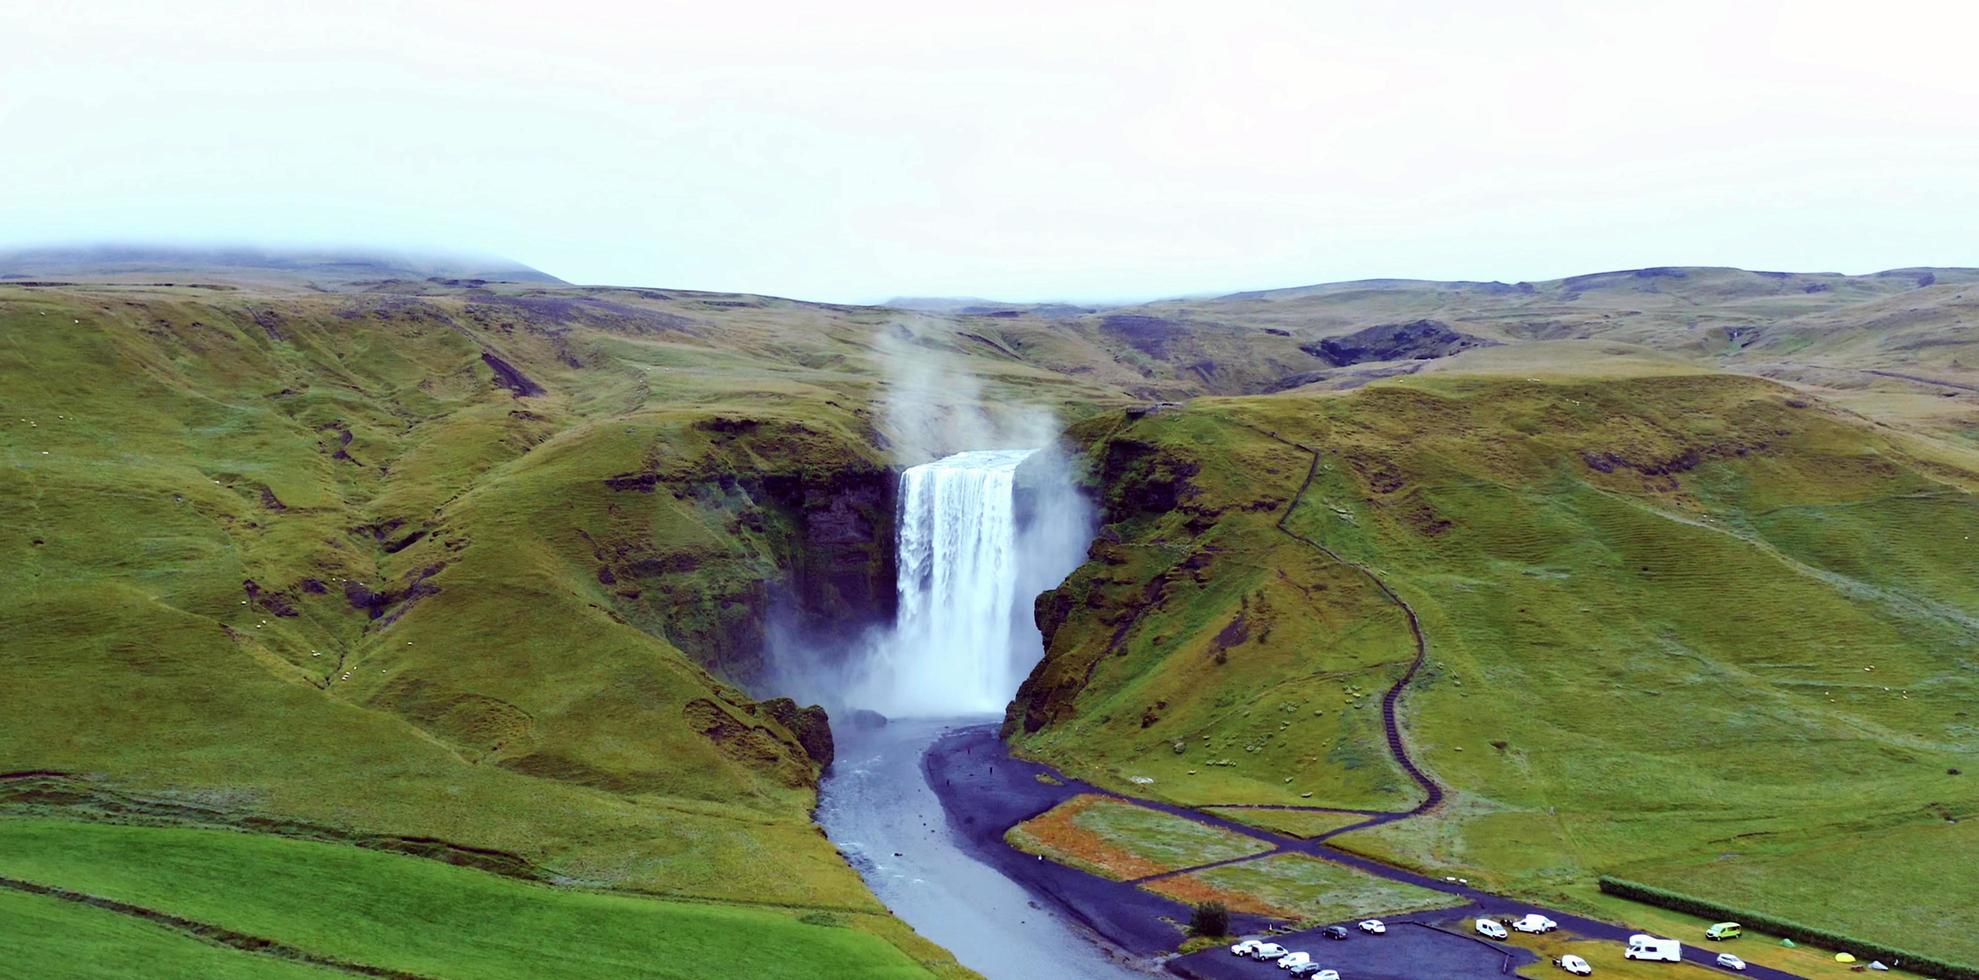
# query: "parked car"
{"points": [[1373, 927], [1730, 962], [1574, 965], [1268, 951], [1491, 928], [1334, 932], [1245, 947], [1534, 922], [1290, 960], [1327, 975], [1647, 947], [1305, 969], [1723, 930]]}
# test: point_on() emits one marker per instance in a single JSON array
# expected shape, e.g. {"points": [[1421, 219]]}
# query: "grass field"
{"points": [[99, 943], [1300, 888], [399, 913], [1606, 958], [1121, 840], [1832, 875], [1754, 946]]}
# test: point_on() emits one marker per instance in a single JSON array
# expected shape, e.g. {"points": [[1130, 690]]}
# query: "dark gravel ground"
{"points": [[1411, 950], [986, 792]]}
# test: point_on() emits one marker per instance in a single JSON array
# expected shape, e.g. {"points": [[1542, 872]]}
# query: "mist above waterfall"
{"points": [[933, 405]]}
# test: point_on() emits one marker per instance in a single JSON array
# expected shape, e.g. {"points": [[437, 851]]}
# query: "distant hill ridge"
{"points": [[325, 266]]}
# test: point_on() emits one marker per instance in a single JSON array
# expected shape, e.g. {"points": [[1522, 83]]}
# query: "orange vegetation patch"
{"points": [[1054, 835], [1192, 890]]}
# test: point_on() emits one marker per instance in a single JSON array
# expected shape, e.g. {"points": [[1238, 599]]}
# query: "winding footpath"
{"points": [[1391, 700], [985, 791]]}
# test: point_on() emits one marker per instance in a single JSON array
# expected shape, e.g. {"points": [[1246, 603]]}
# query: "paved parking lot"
{"points": [[1410, 951]]}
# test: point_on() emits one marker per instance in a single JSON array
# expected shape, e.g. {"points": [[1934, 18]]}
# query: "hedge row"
{"points": [[1692, 905]]}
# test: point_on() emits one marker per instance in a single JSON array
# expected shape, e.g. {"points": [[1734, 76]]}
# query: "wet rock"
{"points": [[865, 719]]}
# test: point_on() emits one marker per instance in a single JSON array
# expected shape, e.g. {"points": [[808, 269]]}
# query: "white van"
{"points": [[1490, 928], [1647, 947]]}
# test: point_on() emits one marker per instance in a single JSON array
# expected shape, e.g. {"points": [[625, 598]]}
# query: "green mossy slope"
{"points": [[1680, 619]]}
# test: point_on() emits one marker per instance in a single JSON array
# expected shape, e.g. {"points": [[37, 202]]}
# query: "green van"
{"points": [[1723, 930]]}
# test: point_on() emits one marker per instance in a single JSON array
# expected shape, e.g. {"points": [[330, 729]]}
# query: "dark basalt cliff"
{"points": [[1417, 340]]}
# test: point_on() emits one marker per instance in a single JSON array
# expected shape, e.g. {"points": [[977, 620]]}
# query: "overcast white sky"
{"points": [[1079, 149]]}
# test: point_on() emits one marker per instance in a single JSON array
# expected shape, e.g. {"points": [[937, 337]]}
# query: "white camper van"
{"points": [[1647, 947]]}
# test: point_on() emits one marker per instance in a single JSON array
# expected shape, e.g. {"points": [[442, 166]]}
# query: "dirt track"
{"points": [[1391, 699]]}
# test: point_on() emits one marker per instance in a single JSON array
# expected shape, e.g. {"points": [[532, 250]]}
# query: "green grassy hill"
{"points": [[471, 567], [1694, 628]]}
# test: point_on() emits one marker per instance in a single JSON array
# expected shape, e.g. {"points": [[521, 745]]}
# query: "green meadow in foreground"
{"points": [[52, 939], [395, 912]]}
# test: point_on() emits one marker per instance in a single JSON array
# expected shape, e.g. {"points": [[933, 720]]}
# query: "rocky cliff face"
{"points": [[1086, 618], [805, 542], [840, 565]]}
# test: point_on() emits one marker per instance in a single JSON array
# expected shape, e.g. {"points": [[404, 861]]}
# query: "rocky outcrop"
{"points": [[1417, 340], [508, 377], [755, 746], [840, 565], [806, 545], [811, 726]]}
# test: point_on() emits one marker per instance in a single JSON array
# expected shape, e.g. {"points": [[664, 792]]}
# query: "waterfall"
{"points": [[957, 580], [969, 566]]}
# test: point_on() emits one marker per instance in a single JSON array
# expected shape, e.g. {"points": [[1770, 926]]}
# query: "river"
{"points": [[878, 808]]}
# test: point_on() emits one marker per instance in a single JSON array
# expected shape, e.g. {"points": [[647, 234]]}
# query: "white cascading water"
{"points": [[958, 574], [963, 637]]}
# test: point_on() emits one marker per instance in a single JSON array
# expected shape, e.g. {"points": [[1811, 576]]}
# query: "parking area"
{"points": [[1410, 951]]}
